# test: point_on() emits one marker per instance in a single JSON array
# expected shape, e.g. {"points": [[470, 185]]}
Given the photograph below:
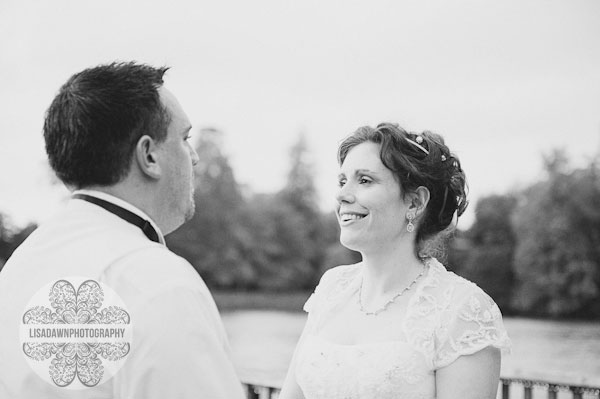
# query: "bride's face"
{"points": [[371, 211]]}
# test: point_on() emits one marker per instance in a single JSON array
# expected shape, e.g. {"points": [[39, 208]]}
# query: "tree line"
{"points": [[535, 250], [245, 241]]}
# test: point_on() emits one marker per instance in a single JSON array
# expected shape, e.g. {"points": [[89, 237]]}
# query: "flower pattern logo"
{"points": [[74, 308]]}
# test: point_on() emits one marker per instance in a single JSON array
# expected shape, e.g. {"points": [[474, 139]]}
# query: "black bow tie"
{"points": [[124, 214]]}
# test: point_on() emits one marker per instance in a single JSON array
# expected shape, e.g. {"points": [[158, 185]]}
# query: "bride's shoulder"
{"points": [[340, 273], [338, 278], [447, 285], [333, 283], [441, 277]]}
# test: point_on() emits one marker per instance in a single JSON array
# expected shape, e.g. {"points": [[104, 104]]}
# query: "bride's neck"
{"points": [[388, 270]]}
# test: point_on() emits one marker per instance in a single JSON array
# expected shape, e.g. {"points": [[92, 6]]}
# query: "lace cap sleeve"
{"points": [[471, 323], [310, 302], [328, 279], [333, 283]]}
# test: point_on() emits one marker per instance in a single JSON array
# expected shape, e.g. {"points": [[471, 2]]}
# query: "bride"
{"points": [[397, 324]]}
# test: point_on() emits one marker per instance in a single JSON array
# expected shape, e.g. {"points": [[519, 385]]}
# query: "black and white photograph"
{"points": [[339, 199]]}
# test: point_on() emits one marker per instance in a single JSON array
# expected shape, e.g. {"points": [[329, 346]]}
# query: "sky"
{"points": [[503, 81]]}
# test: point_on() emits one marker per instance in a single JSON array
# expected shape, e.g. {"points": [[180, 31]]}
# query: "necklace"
{"points": [[388, 303]]}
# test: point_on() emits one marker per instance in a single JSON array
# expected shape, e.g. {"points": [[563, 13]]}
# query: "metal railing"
{"points": [[545, 389], [509, 388], [254, 391]]}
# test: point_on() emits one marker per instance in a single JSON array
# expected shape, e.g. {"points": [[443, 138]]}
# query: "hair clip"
{"points": [[443, 157], [417, 143]]}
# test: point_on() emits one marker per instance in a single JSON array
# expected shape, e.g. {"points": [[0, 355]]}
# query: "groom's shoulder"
{"points": [[156, 264]]}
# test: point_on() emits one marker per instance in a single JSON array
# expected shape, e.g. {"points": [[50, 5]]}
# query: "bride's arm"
{"points": [[290, 389], [469, 345], [474, 376]]}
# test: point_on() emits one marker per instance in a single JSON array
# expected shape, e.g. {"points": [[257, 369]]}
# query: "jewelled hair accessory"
{"points": [[417, 143]]}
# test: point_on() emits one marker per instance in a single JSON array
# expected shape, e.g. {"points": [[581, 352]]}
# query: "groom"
{"points": [[93, 304]]}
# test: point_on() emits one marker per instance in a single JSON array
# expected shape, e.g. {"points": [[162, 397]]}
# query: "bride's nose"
{"points": [[345, 195]]}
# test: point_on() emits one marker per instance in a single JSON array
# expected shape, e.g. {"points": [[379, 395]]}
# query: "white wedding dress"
{"points": [[447, 317]]}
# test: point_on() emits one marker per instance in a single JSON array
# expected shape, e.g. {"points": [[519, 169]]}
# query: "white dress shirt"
{"points": [[179, 347], [125, 205]]}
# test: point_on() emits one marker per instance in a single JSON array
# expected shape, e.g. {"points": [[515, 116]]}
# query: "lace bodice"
{"points": [[447, 317]]}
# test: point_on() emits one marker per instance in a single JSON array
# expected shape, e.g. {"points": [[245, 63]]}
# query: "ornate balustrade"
{"points": [[261, 392], [524, 388], [515, 388]]}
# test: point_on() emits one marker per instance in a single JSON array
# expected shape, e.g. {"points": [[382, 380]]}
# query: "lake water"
{"points": [[262, 344]]}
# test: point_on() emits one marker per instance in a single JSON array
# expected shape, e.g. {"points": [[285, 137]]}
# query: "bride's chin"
{"points": [[351, 242]]}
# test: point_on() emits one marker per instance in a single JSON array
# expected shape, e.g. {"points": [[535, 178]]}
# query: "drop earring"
{"points": [[410, 227]]}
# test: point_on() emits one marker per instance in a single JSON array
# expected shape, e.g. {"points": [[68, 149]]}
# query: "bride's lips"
{"points": [[349, 217]]}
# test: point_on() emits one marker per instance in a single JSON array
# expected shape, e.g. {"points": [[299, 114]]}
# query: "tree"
{"points": [[210, 240], [300, 193], [493, 224], [263, 241], [557, 258], [275, 243], [484, 253], [300, 190]]}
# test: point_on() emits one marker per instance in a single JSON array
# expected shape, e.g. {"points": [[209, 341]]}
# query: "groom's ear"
{"points": [[146, 155]]}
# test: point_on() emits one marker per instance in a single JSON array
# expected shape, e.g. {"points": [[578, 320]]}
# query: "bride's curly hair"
{"points": [[419, 159]]}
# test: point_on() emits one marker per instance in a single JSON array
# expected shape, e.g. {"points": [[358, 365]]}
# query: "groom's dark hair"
{"points": [[96, 119]]}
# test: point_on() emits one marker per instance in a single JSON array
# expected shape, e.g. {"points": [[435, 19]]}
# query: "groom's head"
{"points": [[116, 125], [96, 119]]}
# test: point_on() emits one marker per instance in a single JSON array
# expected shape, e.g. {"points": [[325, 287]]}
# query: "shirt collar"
{"points": [[125, 205]]}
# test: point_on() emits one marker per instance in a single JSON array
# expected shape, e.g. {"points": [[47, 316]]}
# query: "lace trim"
{"points": [[382, 370], [451, 317], [484, 321], [447, 317], [333, 284]]}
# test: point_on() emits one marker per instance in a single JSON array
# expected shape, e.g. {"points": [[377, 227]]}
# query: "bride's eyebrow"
{"points": [[365, 172], [371, 173], [359, 172]]}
